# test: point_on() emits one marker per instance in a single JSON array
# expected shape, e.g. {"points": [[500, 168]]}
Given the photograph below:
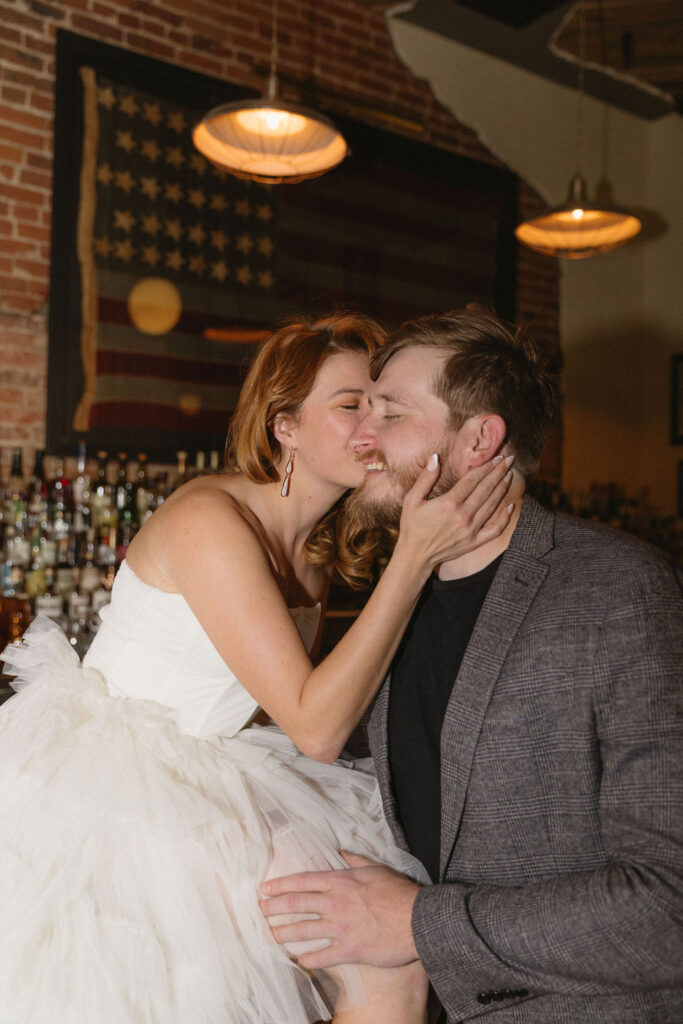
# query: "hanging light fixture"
{"points": [[578, 228], [268, 140]]}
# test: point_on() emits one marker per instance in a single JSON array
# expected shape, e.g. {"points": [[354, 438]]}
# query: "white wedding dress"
{"points": [[138, 817]]}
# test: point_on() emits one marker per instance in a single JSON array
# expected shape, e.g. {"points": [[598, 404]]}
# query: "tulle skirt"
{"points": [[131, 856]]}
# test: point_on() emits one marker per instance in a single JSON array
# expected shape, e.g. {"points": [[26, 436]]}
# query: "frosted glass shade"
{"points": [[578, 229], [269, 141]]}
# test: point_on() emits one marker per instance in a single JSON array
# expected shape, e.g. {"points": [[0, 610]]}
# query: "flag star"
{"points": [[196, 234], [264, 212], [244, 244], [128, 105], [123, 219], [243, 207], [219, 240], [174, 229], [174, 156], [174, 260], [265, 246], [218, 202], [105, 174], [151, 255], [150, 187], [266, 279], [124, 250], [102, 246], [151, 113], [173, 192], [197, 197], [219, 270], [106, 97], [150, 149], [176, 122], [244, 275], [151, 224], [124, 180], [197, 264], [124, 140], [198, 163]]}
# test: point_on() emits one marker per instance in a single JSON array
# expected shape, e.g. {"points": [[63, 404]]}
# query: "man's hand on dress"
{"points": [[365, 913]]}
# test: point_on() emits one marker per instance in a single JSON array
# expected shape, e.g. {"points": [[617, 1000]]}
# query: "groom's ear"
{"points": [[483, 437], [283, 426]]}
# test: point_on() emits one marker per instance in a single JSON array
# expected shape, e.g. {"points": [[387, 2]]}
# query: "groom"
{"points": [[528, 742]]}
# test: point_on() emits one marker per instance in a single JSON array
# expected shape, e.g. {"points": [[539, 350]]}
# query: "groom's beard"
{"points": [[366, 513]]}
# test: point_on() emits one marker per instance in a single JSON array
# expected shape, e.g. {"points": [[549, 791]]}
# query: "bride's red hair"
{"points": [[280, 379]]}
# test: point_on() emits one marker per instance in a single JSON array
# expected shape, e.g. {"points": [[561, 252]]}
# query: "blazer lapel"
{"points": [[514, 588], [378, 736]]}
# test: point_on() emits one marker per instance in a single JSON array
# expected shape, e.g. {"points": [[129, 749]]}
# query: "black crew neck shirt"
{"points": [[422, 678]]}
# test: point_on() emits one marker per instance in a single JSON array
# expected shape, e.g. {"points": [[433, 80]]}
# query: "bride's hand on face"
{"points": [[473, 512]]}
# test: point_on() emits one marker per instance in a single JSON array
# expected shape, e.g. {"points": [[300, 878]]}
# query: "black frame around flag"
{"points": [[399, 229]]}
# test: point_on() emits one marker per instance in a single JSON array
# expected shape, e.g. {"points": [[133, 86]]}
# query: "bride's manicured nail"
{"points": [[510, 459], [510, 508], [498, 459], [433, 461]]}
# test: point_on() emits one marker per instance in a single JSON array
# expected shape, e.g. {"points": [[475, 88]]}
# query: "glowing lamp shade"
{"points": [[269, 141], [578, 229]]}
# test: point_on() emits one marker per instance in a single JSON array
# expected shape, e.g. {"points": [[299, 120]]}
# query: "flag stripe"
{"points": [[142, 364], [159, 417]]}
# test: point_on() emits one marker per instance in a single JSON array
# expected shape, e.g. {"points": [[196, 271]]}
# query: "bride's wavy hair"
{"points": [[280, 379]]}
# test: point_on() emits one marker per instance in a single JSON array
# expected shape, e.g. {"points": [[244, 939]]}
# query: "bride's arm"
{"points": [[219, 565]]}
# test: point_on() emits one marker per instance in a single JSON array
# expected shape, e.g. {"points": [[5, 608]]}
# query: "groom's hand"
{"points": [[365, 913]]}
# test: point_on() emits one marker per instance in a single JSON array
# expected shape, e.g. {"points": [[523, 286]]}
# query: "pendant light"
{"points": [[578, 228], [268, 140]]}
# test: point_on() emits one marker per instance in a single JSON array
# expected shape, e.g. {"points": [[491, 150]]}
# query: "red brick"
{"points": [[37, 45], [28, 177], [9, 35], [28, 139], [12, 153], [13, 55], [23, 118], [150, 46], [97, 28], [12, 94], [127, 20], [36, 233]]}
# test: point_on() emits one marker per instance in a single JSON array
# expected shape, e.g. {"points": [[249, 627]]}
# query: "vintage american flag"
{"points": [[388, 234]]}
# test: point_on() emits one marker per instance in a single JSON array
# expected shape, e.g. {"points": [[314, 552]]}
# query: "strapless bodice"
{"points": [[152, 647]]}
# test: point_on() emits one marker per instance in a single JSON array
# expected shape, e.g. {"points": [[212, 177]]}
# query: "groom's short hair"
{"points": [[490, 368]]}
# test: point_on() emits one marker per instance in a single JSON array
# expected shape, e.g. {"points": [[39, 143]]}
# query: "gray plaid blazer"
{"points": [[559, 900]]}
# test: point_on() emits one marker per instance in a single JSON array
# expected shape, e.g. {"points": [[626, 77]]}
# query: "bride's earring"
{"points": [[288, 473]]}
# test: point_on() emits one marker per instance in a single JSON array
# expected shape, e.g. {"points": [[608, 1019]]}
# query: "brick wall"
{"points": [[342, 49]]}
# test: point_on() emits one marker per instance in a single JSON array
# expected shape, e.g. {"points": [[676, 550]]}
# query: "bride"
{"points": [[138, 812]]}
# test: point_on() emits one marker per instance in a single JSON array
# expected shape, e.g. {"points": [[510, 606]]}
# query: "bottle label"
{"points": [[50, 604]]}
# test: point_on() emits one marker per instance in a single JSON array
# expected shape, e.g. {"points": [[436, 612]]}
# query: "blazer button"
{"points": [[522, 992], [484, 998]]}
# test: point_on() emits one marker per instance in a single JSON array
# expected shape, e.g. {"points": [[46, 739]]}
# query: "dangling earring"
{"points": [[288, 473]]}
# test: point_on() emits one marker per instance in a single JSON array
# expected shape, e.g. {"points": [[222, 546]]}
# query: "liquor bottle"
{"points": [[60, 490], [11, 572], [143, 497], [214, 462], [80, 489], [91, 573], [15, 482], [37, 492], [101, 492], [199, 464], [51, 602], [34, 577], [181, 470], [124, 487]]}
